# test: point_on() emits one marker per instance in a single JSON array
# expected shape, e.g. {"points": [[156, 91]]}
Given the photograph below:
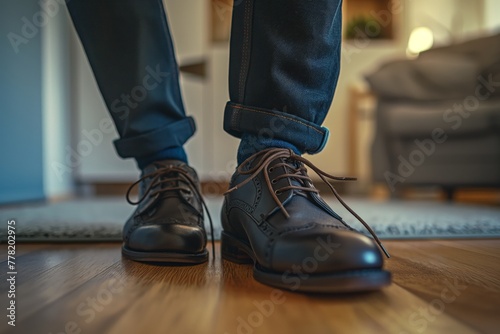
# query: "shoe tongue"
{"points": [[291, 168], [170, 162], [162, 164], [291, 165], [294, 181], [157, 165]]}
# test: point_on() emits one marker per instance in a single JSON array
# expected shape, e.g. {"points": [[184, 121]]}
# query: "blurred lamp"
{"points": [[421, 39]]}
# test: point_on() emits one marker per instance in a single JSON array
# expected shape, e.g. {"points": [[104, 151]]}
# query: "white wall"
{"points": [[492, 15], [449, 20], [55, 103]]}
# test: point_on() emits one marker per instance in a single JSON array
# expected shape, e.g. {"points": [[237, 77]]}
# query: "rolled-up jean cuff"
{"points": [[171, 135], [305, 135]]}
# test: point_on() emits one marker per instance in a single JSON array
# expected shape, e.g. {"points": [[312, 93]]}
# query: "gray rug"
{"points": [[102, 219]]}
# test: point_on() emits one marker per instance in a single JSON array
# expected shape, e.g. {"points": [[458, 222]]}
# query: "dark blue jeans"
{"points": [[284, 66]]}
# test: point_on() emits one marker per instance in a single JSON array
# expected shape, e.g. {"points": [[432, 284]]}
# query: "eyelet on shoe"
{"points": [[270, 170], [273, 181], [277, 192]]}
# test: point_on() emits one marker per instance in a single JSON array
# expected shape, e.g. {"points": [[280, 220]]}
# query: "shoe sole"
{"points": [[165, 257], [239, 252]]}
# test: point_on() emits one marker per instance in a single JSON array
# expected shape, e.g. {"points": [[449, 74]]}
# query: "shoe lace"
{"points": [[178, 176], [298, 173]]}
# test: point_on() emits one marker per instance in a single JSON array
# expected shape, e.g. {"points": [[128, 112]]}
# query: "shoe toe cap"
{"points": [[319, 252], [168, 238]]}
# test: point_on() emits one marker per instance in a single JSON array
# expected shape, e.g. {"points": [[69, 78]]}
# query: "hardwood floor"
{"points": [[440, 286]]}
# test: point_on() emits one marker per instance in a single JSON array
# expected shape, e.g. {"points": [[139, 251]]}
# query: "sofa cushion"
{"points": [[411, 120], [442, 77], [441, 73], [484, 50]]}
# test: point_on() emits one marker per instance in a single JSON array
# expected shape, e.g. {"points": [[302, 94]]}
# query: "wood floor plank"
{"points": [[41, 280], [22, 249], [66, 312], [66, 276], [64, 288], [486, 247], [465, 283], [96, 304], [387, 311], [204, 305], [34, 263], [218, 297]]}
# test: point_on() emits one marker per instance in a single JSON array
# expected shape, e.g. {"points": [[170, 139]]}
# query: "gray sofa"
{"points": [[438, 118]]}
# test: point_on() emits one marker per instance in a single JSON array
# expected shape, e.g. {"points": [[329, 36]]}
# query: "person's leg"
{"points": [[284, 65], [130, 50]]}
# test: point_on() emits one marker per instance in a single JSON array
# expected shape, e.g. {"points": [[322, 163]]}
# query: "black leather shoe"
{"points": [[167, 225], [274, 217]]}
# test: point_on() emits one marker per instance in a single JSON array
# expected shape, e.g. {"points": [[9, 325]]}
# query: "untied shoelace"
{"points": [[299, 174]]}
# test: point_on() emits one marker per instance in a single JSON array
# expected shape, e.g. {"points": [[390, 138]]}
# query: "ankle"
{"points": [[175, 153], [251, 144]]}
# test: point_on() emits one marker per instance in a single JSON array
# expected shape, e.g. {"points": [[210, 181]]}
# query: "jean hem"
{"points": [[308, 137], [172, 135]]}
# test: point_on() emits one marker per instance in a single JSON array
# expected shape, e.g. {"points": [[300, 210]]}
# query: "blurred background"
{"points": [[416, 112]]}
